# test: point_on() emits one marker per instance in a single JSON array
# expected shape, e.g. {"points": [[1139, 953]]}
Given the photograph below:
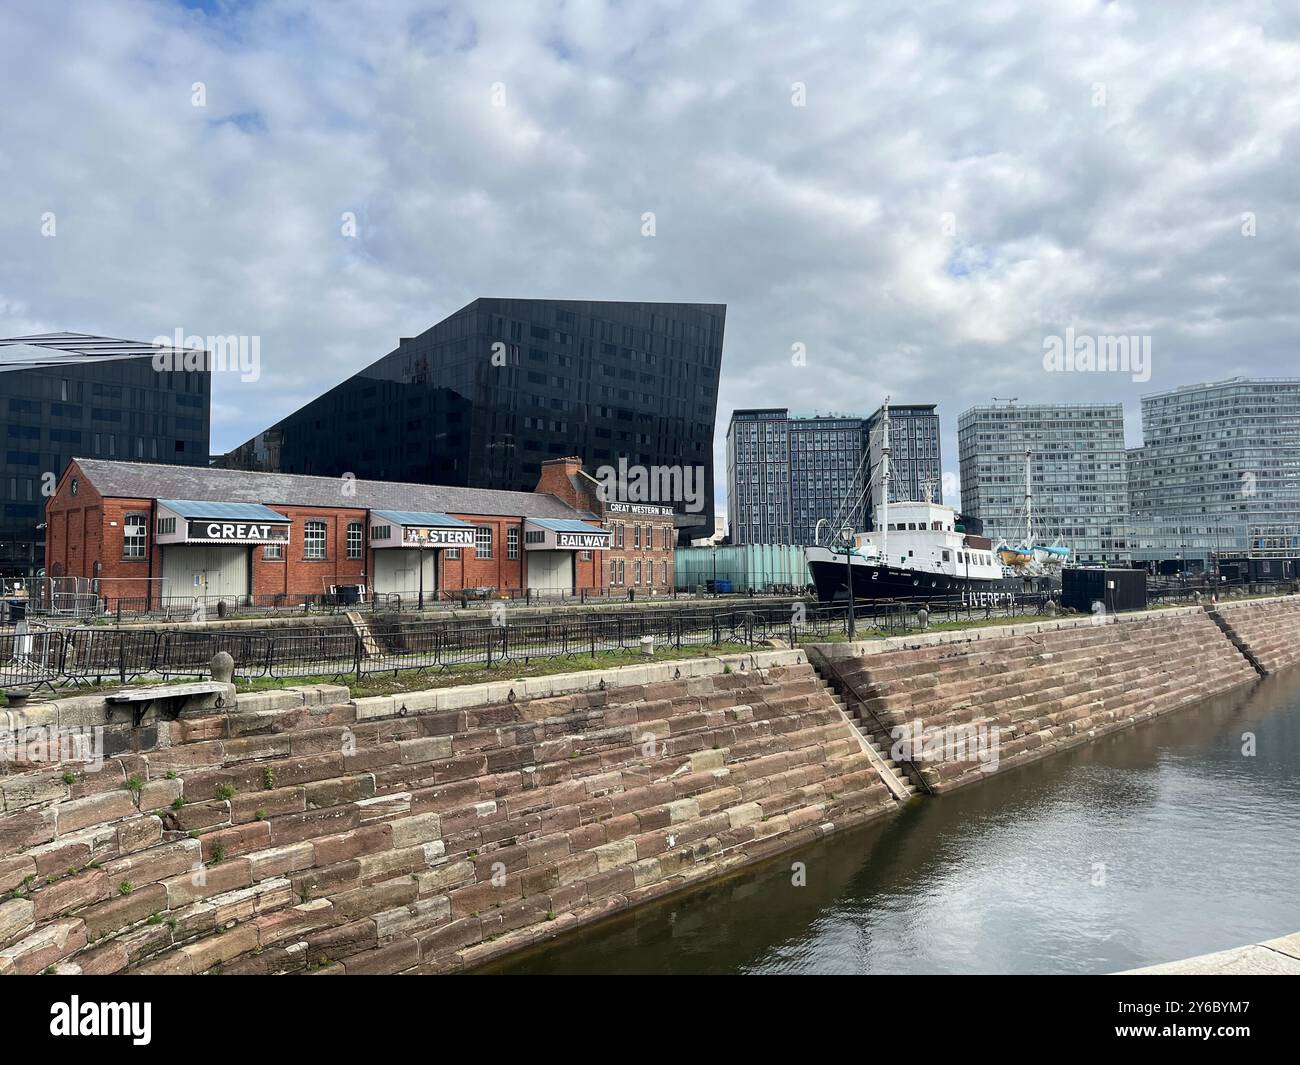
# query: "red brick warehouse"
{"points": [[143, 531]]}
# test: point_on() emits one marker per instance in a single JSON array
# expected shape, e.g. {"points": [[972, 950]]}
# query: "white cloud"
{"points": [[820, 224]]}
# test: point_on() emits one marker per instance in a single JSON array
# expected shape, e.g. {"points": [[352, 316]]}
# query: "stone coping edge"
{"points": [[834, 652]]}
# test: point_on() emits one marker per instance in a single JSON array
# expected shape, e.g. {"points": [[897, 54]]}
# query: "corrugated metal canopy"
{"points": [[565, 525], [427, 519], [199, 509]]}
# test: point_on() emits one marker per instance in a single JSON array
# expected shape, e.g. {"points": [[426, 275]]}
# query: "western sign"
{"points": [[437, 537], [585, 541], [238, 532]]}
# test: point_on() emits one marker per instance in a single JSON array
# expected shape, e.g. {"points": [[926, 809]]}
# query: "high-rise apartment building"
{"points": [[915, 462], [785, 474], [1078, 463], [487, 395]]}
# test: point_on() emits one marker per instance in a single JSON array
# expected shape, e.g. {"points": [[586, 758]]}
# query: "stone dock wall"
{"points": [[1025, 691], [302, 831], [306, 832]]}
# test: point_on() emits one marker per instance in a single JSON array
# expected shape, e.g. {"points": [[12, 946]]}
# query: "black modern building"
{"points": [[485, 396], [65, 394]]}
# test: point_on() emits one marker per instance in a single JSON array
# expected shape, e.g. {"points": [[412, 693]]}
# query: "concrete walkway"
{"points": [[1273, 957]]}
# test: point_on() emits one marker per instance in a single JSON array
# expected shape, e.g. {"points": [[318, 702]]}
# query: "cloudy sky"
{"points": [[917, 194]]}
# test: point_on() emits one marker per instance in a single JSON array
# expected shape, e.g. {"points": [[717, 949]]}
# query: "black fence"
{"points": [[389, 644]]}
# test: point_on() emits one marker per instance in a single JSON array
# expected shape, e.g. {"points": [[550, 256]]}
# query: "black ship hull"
{"points": [[873, 580]]}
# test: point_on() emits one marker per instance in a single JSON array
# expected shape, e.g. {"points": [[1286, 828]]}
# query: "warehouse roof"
{"points": [[151, 480]]}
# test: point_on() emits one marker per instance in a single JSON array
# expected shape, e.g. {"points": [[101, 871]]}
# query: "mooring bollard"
{"points": [[647, 645], [1050, 608], [923, 618], [222, 667]]}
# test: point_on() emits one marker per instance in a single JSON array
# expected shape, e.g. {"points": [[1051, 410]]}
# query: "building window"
{"points": [[665, 565], [585, 556], [636, 539], [618, 530], [380, 532], [535, 536], [166, 526], [354, 539], [452, 553], [636, 573], [273, 552], [512, 542], [313, 540], [133, 536], [483, 541]]}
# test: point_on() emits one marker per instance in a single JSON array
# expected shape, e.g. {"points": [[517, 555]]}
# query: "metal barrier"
{"points": [[391, 644]]}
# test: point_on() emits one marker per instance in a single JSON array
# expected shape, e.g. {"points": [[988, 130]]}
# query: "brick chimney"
{"points": [[564, 479]]}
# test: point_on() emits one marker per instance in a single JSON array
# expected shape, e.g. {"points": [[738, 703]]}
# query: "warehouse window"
{"points": [[133, 536], [354, 539], [452, 553], [483, 541], [273, 552], [313, 540], [512, 542]]}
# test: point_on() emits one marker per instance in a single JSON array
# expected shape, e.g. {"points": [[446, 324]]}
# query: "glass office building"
{"points": [[487, 395], [1224, 455], [71, 394], [1079, 478]]}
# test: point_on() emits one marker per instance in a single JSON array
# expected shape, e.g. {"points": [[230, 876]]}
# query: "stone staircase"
{"points": [[877, 744], [1267, 630], [1046, 688]]}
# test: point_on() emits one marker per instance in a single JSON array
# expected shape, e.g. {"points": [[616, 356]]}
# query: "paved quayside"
{"points": [[1273, 957]]}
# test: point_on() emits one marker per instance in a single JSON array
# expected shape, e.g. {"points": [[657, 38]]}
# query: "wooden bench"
{"points": [[171, 697]]}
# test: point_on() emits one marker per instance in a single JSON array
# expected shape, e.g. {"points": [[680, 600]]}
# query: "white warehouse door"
{"points": [[205, 570], [550, 571]]}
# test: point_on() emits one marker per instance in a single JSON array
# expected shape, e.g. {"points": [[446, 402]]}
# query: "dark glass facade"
{"points": [[485, 396], [119, 408]]}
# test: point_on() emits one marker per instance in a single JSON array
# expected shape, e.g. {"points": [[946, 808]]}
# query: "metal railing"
{"points": [[81, 655]]}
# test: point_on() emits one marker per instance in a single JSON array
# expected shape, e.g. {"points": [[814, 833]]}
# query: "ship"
{"points": [[919, 550]]}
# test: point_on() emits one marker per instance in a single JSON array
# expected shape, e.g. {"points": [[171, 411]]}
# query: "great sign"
{"points": [[237, 532]]}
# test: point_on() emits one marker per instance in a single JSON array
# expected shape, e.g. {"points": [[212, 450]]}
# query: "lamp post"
{"points": [[846, 534]]}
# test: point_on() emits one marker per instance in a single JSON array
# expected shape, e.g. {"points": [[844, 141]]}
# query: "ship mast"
{"points": [[1029, 502], [884, 487]]}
